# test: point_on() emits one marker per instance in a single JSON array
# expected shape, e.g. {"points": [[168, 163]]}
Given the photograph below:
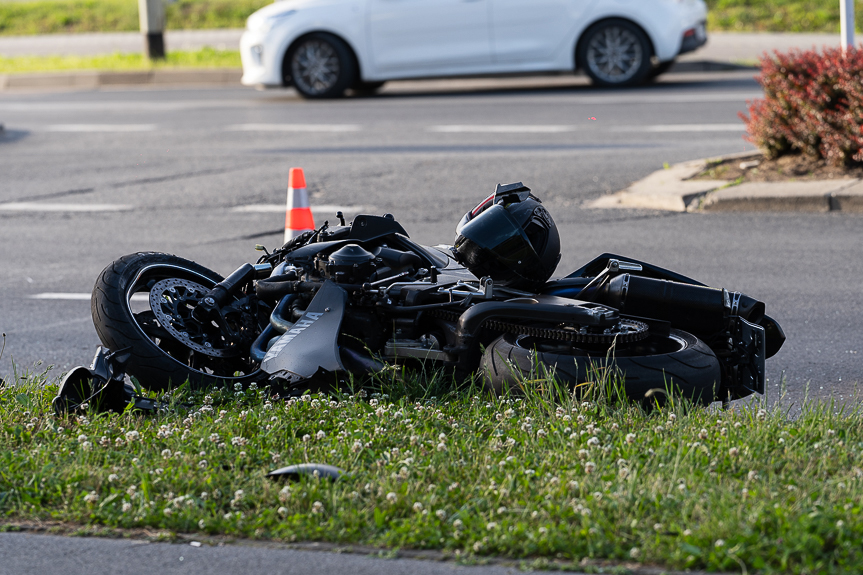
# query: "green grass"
{"points": [[204, 58], [777, 16], [54, 16], [545, 477]]}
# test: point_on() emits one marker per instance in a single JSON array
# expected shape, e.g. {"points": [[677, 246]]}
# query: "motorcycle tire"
{"points": [[679, 362], [158, 360]]}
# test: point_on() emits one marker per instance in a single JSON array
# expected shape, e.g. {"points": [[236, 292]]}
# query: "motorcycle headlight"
{"points": [[266, 24]]}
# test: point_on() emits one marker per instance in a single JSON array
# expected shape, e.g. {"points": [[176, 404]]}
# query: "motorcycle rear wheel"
{"points": [[158, 360], [679, 362]]}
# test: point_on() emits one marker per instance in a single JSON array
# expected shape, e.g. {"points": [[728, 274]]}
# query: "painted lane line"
{"points": [[80, 296], [280, 208], [294, 128], [513, 129], [683, 128], [41, 207], [77, 128]]}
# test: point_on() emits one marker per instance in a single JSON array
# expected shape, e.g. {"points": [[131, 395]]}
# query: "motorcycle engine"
{"points": [[349, 264]]}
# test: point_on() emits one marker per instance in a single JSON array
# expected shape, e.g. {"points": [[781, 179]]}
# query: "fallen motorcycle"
{"points": [[351, 298]]}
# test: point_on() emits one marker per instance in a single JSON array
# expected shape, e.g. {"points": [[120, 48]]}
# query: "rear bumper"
{"points": [[694, 38]]}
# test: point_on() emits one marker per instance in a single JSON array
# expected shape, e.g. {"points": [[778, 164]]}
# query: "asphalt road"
{"points": [[90, 176]]}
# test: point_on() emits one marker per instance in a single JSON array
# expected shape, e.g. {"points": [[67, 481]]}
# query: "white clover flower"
{"points": [[86, 446], [458, 524], [541, 433], [573, 484], [590, 467], [239, 441], [453, 486], [593, 441], [635, 553], [357, 446], [91, 498], [723, 432], [214, 438], [529, 472], [510, 442], [113, 477], [737, 425], [752, 476], [253, 386], [126, 507], [840, 524], [441, 514], [719, 543], [391, 497], [203, 464], [441, 446], [283, 511], [167, 511], [761, 415], [82, 438], [317, 507], [132, 435], [733, 452], [166, 453], [687, 532], [491, 525], [582, 454], [418, 506], [204, 495], [509, 413], [320, 435], [307, 438], [671, 417], [702, 434], [238, 386], [681, 487]]}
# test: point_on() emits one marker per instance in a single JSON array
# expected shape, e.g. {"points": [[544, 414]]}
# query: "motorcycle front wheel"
{"points": [[143, 302], [679, 363]]}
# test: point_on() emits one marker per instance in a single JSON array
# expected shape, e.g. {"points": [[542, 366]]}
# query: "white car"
{"points": [[324, 47]]}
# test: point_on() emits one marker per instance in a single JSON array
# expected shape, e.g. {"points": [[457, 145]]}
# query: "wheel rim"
{"points": [[614, 54], [186, 348], [315, 67]]}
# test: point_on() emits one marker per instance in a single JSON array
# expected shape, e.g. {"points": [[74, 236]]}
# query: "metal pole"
{"points": [[151, 14], [846, 23]]}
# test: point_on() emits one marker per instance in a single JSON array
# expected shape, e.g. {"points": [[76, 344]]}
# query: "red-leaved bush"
{"points": [[813, 105]]}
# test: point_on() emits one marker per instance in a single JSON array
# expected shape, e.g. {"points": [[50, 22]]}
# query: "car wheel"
{"points": [[321, 66], [615, 53]]}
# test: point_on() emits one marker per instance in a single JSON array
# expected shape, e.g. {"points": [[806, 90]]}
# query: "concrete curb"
{"points": [[673, 190], [97, 79]]}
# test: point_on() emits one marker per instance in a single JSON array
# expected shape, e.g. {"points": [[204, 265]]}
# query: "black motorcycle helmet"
{"points": [[509, 237]]}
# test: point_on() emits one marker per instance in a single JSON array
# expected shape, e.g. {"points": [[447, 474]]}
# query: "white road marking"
{"points": [[80, 296], [100, 128], [491, 129], [683, 128], [45, 207], [280, 208], [294, 128]]}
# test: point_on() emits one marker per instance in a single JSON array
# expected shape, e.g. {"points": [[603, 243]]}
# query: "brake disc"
{"points": [[172, 301]]}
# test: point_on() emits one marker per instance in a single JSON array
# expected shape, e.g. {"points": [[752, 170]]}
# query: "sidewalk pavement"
{"points": [[673, 189]]}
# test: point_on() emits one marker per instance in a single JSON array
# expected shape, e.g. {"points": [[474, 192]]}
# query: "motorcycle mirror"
{"points": [[295, 472], [74, 390]]}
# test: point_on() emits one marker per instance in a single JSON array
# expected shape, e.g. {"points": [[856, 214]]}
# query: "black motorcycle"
{"points": [[351, 298]]}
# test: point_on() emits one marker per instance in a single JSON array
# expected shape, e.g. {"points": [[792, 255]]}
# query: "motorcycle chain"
{"points": [[638, 333]]}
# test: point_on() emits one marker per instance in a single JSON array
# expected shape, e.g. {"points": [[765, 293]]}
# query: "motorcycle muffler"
{"points": [[692, 308]]}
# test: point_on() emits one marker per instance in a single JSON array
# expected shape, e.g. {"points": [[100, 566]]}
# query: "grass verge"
{"points": [[56, 16], [203, 58], [542, 476]]}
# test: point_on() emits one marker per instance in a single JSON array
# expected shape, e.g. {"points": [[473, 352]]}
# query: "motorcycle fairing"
{"points": [[311, 344]]}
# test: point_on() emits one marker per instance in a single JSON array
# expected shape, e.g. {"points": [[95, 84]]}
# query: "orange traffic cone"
{"points": [[298, 215]]}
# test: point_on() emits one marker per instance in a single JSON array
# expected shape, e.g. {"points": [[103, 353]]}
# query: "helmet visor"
{"points": [[493, 244]]}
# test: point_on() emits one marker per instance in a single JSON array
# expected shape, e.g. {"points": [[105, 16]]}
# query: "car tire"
{"points": [[321, 66], [615, 53]]}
